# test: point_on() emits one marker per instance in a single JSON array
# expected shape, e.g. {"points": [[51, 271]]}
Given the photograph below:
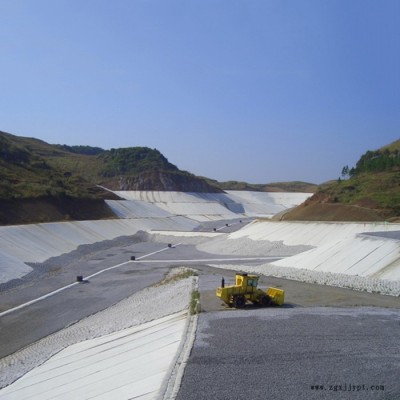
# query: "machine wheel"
{"points": [[265, 301], [239, 302]]}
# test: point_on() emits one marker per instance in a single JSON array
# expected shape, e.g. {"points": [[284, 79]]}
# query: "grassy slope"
{"points": [[36, 185], [26, 173], [77, 171], [31, 168], [366, 196]]}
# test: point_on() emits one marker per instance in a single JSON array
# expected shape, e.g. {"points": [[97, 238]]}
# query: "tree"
{"points": [[345, 171]]}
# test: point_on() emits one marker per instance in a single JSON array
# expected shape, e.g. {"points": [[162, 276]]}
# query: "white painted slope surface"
{"points": [[131, 363], [136, 209], [265, 203], [37, 243], [141, 211], [200, 207], [209, 206], [12, 268], [339, 247], [145, 326]]}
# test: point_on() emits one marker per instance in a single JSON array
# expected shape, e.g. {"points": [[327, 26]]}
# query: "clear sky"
{"points": [[254, 90]]}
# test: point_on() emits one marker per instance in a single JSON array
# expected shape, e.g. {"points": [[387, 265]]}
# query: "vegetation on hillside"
{"points": [[133, 160], [374, 181], [377, 190], [31, 168], [26, 174], [87, 150], [40, 182], [368, 191], [12, 153], [385, 159], [293, 186]]}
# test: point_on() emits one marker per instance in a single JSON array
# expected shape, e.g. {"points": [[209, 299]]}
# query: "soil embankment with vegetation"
{"points": [[370, 191]]}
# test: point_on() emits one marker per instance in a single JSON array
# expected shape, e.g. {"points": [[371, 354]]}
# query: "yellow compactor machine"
{"points": [[245, 289]]}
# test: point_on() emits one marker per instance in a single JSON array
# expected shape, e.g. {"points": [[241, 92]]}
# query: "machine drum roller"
{"points": [[245, 289]]}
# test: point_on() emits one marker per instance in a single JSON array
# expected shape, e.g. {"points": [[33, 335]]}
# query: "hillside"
{"points": [[370, 191], [31, 168], [43, 182]]}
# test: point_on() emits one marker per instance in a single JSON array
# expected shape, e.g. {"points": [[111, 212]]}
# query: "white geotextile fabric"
{"points": [[309, 233], [39, 242], [227, 205], [361, 257], [12, 268], [149, 304], [131, 363], [136, 209], [340, 247]]}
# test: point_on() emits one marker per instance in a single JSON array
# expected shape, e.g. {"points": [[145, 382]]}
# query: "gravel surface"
{"points": [[284, 353], [149, 304]]}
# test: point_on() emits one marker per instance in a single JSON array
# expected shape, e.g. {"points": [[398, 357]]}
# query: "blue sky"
{"points": [[254, 90]]}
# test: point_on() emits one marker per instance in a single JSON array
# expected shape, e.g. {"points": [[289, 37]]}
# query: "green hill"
{"points": [[41, 182], [369, 191], [31, 168], [25, 170]]}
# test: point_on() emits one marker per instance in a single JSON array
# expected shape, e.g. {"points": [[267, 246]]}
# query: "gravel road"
{"points": [[298, 353]]}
